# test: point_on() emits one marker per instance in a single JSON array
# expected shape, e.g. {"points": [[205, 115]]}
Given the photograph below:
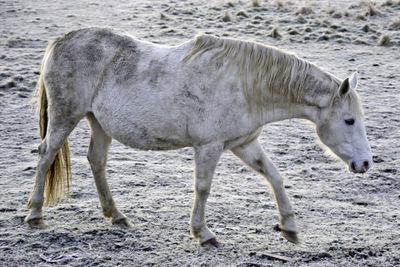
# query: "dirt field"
{"points": [[344, 219]]}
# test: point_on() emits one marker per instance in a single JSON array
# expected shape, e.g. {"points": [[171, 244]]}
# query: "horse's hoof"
{"points": [[36, 223], [290, 236], [211, 243], [123, 222]]}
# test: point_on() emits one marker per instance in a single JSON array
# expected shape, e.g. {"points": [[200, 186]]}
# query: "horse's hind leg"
{"points": [[57, 133], [97, 156], [253, 155]]}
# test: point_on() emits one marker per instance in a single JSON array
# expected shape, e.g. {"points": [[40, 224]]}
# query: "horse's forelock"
{"points": [[354, 103]]}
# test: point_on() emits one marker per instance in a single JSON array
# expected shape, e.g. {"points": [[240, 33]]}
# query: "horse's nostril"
{"points": [[353, 166], [366, 164]]}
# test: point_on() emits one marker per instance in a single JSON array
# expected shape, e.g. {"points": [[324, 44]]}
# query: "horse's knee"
{"points": [[91, 159], [203, 187], [96, 161], [42, 147]]}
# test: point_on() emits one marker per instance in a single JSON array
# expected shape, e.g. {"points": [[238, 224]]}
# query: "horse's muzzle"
{"points": [[361, 166]]}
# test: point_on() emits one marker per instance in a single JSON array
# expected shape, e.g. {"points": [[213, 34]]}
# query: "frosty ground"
{"points": [[344, 219]]}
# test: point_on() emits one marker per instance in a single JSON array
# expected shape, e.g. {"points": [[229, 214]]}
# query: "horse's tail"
{"points": [[58, 177]]}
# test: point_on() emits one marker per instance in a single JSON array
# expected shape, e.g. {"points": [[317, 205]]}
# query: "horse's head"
{"points": [[341, 128]]}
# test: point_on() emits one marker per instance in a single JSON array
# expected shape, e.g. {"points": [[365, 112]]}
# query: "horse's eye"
{"points": [[349, 121]]}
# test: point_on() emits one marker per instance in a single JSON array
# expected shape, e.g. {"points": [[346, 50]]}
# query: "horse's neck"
{"points": [[315, 95], [279, 112]]}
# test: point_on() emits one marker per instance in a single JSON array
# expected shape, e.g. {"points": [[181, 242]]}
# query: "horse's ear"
{"points": [[344, 88], [353, 81], [347, 85]]}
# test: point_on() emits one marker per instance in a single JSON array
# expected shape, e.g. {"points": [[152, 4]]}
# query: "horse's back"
{"points": [[142, 94], [120, 80]]}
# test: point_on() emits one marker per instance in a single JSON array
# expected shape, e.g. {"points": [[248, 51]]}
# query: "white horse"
{"points": [[213, 94]]}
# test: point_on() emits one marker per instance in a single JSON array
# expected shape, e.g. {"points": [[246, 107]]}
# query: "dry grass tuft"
{"points": [[230, 4], [372, 10], [388, 3], [227, 17], [368, 9], [255, 3], [337, 15], [365, 28], [384, 40], [305, 10], [395, 25], [360, 17], [280, 4], [323, 37], [275, 33], [330, 9], [163, 16], [242, 13], [391, 3]]}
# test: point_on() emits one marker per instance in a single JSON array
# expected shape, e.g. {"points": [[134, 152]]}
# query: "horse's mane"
{"points": [[266, 71]]}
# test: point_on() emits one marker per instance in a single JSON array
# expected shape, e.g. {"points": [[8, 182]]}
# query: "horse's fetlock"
{"points": [[202, 234], [197, 228], [35, 222], [107, 213], [35, 217], [288, 223], [120, 219], [196, 231], [35, 204]]}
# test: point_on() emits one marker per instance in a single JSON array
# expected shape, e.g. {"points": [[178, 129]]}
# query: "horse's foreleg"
{"points": [[206, 158], [253, 155], [97, 157]]}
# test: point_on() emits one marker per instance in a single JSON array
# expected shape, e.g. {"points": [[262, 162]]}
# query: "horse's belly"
{"points": [[153, 143], [147, 133], [145, 141]]}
